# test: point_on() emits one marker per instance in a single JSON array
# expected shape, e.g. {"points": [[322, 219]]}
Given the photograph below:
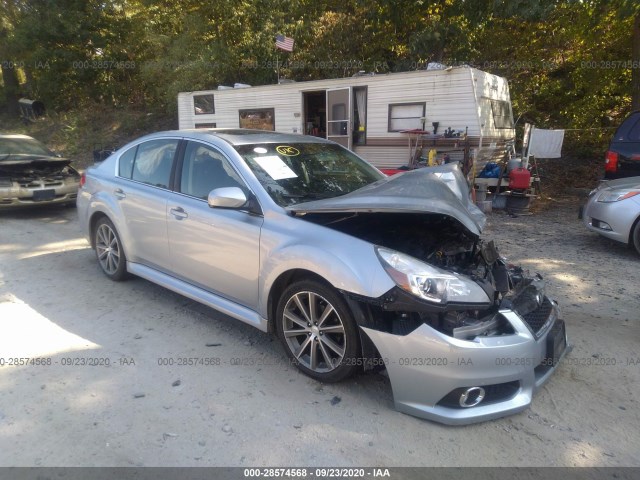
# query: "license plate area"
{"points": [[44, 195], [556, 343]]}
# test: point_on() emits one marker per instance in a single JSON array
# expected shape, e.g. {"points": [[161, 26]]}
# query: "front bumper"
{"points": [[429, 370], [64, 192], [612, 220]]}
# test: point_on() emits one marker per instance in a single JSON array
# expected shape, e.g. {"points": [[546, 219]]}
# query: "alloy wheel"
{"points": [[314, 332], [107, 249]]}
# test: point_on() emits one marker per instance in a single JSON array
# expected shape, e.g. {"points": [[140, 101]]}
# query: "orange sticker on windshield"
{"points": [[287, 151]]}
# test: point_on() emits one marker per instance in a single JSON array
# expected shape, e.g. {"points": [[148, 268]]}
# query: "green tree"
{"points": [[9, 14]]}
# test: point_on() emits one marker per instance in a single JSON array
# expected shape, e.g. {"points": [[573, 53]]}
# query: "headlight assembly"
{"points": [[428, 282], [617, 195]]}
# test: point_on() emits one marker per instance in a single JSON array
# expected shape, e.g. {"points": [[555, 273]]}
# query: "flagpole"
{"points": [[282, 43]]}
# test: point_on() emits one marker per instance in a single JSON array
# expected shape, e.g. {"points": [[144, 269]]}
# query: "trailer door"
{"points": [[339, 116]]}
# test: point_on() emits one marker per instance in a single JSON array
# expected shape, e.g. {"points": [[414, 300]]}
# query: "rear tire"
{"points": [[318, 331], [635, 236], [109, 251]]}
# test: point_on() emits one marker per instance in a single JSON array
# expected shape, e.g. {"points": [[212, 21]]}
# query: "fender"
{"points": [[336, 269]]}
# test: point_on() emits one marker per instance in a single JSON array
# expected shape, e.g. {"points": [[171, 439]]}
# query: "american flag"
{"points": [[284, 43]]}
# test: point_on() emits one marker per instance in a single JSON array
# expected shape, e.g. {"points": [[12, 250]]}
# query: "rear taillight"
{"points": [[83, 180], [611, 162]]}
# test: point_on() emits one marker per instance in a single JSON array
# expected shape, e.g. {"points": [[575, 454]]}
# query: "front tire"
{"points": [[318, 331], [635, 236], [109, 251]]}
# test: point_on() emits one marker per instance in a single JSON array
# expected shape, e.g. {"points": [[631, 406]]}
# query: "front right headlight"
{"points": [[611, 196], [428, 282]]}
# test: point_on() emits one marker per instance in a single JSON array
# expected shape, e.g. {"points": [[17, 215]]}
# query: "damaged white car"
{"points": [[350, 269]]}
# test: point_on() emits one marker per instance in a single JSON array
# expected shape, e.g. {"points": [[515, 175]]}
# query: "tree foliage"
{"points": [[570, 64]]}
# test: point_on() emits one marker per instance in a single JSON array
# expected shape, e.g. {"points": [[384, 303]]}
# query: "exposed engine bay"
{"points": [[443, 242], [28, 174], [435, 239], [37, 168]]}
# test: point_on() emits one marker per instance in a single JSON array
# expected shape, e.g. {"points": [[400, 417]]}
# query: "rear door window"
{"points": [[154, 161], [125, 163], [634, 131], [629, 130]]}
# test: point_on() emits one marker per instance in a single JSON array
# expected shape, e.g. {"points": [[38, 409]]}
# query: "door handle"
{"points": [[119, 193], [178, 213]]}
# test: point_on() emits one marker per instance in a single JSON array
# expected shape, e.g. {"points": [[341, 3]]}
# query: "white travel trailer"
{"points": [[390, 120]]}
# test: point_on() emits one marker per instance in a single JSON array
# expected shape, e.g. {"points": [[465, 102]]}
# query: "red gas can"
{"points": [[519, 178]]}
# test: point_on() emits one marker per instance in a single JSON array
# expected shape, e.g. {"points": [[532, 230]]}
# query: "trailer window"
{"points": [[258, 119], [406, 116], [203, 104], [502, 117]]}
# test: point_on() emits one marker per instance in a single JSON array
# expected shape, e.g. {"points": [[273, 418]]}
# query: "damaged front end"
{"points": [[37, 181], [464, 336]]}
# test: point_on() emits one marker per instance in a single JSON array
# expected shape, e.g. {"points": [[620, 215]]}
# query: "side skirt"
{"points": [[212, 300]]}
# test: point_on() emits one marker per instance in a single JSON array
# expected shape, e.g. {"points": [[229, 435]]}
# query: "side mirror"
{"points": [[227, 197]]}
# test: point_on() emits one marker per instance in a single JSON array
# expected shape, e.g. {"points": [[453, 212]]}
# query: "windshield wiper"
{"points": [[307, 196]]}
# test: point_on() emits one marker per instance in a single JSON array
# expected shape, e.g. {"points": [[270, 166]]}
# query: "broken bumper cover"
{"points": [[438, 377]]}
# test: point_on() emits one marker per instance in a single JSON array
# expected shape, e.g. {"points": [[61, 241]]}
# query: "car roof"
{"points": [[243, 136]]}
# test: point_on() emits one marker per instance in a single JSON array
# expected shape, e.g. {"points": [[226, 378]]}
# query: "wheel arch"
{"points": [[93, 220], [281, 283], [632, 231], [358, 311]]}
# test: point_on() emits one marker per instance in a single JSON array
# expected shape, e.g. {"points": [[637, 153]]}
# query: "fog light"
{"points": [[601, 225], [471, 397]]}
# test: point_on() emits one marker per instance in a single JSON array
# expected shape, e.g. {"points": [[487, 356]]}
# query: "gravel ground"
{"points": [[110, 397]]}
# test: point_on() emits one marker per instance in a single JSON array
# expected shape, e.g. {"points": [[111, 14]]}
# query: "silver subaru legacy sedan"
{"points": [[351, 270]]}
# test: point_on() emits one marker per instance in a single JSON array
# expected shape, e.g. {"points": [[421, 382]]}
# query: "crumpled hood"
{"points": [[17, 161], [442, 190]]}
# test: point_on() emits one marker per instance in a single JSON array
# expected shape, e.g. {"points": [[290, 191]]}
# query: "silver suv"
{"points": [[352, 270]]}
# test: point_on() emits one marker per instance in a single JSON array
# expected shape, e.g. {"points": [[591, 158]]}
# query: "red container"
{"points": [[391, 171], [519, 178]]}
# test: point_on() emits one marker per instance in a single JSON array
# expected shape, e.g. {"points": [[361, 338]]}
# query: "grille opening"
{"points": [[538, 318]]}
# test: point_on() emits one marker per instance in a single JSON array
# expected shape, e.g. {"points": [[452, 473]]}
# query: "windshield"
{"points": [[299, 172], [12, 146]]}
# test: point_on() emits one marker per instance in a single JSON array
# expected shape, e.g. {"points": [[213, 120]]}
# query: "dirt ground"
{"points": [[109, 390]]}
